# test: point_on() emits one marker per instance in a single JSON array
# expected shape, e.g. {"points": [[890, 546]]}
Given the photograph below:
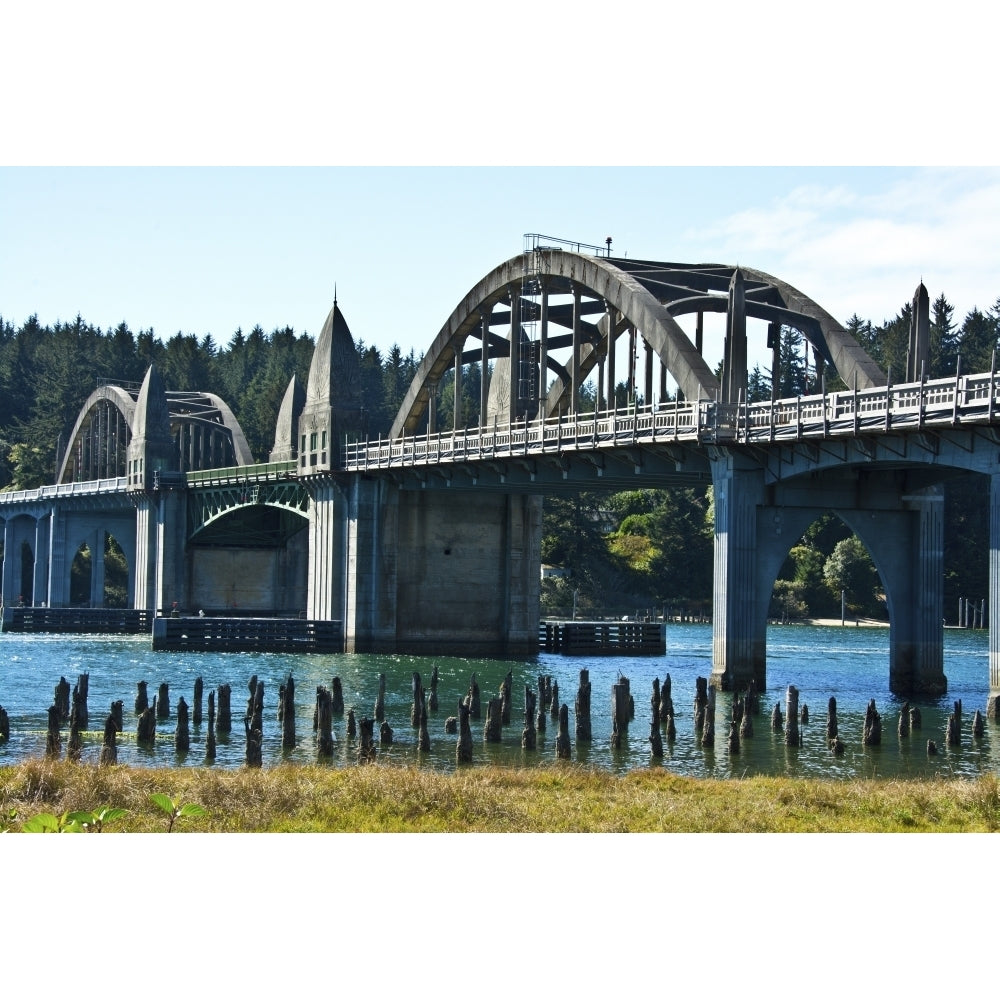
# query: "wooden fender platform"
{"points": [[248, 635], [603, 638], [105, 621]]}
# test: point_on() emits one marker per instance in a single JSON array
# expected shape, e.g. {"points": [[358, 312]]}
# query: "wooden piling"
{"points": [[117, 713], [109, 748], [777, 722], [506, 694], [182, 736], [872, 736], [210, 737], [424, 739], [352, 725], [141, 698], [432, 701], [583, 726], [655, 738], [61, 699], [463, 751], [53, 739], [746, 715], [654, 702], [80, 691], [619, 711], [417, 706], [288, 714], [700, 702], [916, 722], [451, 725], [492, 728], [977, 725], [666, 702], [734, 738], [253, 723], [831, 719], [671, 729], [163, 702], [540, 717], [366, 748], [336, 697], [385, 734], [224, 723], [562, 740], [75, 744], [324, 717], [196, 709], [380, 699], [903, 726], [528, 735], [554, 703], [4, 725], [145, 733], [472, 698], [708, 725], [792, 716]]}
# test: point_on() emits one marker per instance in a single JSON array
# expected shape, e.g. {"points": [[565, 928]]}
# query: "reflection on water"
{"points": [[849, 663]]}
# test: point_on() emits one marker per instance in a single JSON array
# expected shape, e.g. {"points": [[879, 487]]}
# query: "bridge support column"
{"points": [[371, 551], [40, 579], [907, 547], [161, 529], [143, 589], [97, 569], [993, 705], [58, 570], [739, 625], [325, 589], [440, 572], [8, 585]]}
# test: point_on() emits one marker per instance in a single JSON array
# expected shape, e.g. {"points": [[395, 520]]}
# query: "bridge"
{"points": [[428, 541]]}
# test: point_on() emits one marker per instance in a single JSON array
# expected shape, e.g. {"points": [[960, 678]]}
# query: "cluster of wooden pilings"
{"points": [[540, 703]]}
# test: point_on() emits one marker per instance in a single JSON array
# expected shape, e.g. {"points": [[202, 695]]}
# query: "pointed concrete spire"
{"points": [[151, 449], [284, 449]]}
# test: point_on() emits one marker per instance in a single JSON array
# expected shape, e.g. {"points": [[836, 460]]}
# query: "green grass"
{"points": [[556, 799]]}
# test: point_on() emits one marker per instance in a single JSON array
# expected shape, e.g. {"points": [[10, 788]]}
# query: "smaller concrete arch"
{"points": [[98, 445], [204, 432]]}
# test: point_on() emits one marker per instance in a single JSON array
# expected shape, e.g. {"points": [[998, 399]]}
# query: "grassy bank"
{"points": [[557, 799]]}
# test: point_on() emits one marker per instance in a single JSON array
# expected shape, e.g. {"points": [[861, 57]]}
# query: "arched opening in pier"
{"points": [[26, 592], [112, 591], [827, 572], [251, 560]]}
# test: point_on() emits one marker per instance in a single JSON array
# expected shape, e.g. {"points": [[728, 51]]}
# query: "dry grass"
{"points": [[558, 799]]}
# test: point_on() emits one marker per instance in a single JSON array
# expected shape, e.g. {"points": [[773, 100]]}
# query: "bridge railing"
{"points": [[949, 401], [85, 488], [571, 431]]}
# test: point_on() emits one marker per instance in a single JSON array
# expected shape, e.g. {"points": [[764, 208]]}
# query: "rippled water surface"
{"points": [[849, 663]]}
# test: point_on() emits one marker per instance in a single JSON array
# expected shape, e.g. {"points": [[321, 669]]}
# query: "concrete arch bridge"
{"points": [[429, 541]]}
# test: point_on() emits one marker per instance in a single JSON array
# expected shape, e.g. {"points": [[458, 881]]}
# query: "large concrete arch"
{"points": [[645, 294]]}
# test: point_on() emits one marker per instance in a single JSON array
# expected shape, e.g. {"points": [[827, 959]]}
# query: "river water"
{"points": [[849, 663]]}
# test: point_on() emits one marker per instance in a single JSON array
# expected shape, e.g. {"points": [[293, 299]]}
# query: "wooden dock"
{"points": [[248, 635], [603, 638], [114, 621]]}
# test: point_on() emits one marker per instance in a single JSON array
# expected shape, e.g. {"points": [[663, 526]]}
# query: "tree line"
{"points": [[639, 549]]}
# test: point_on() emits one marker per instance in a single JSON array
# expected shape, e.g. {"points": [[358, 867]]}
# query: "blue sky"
{"points": [[217, 166], [207, 250]]}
